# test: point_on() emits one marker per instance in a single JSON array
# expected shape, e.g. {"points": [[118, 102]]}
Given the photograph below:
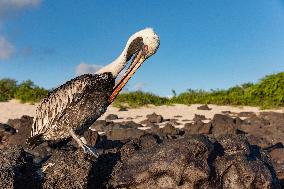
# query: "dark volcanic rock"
{"points": [[6, 129], [224, 124], [226, 112], [130, 124], [146, 122], [16, 169], [203, 107], [267, 125], [152, 125], [99, 125], [123, 109], [166, 132], [154, 118], [198, 127], [23, 127], [164, 159], [144, 142], [184, 120], [273, 117], [199, 117], [5, 132], [174, 122], [102, 125], [111, 117], [177, 116], [246, 114], [67, 169], [259, 141], [122, 125], [277, 156], [169, 129], [122, 134], [228, 162], [155, 129], [256, 120], [242, 165]]}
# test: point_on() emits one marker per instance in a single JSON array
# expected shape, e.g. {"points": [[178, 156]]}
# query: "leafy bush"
{"points": [[268, 93], [27, 91], [139, 98], [7, 89]]}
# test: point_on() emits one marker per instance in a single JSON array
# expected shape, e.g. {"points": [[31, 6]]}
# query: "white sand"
{"points": [[14, 109]]}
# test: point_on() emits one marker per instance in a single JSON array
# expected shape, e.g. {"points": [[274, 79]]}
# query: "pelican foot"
{"points": [[90, 150]]}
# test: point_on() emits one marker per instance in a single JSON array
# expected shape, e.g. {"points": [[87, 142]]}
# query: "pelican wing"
{"points": [[54, 105]]}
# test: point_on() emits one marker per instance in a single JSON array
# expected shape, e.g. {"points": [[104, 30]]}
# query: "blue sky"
{"points": [[204, 44]]}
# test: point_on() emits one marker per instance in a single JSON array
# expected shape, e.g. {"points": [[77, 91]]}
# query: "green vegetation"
{"points": [[138, 98], [26, 91], [7, 89], [267, 93]]}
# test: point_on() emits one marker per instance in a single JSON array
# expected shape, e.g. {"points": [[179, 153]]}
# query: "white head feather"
{"points": [[150, 38]]}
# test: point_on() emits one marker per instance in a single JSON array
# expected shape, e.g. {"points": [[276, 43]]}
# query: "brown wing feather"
{"points": [[54, 105]]}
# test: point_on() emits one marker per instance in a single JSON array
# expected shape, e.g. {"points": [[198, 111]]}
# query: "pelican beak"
{"points": [[135, 64]]}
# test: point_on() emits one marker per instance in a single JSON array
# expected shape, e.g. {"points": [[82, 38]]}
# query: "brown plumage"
{"points": [[74, 105]]}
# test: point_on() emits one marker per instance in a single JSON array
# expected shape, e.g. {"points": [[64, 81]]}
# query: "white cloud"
{"points": [[6, 49], [84, 68], [7, 6], [8, 9]]}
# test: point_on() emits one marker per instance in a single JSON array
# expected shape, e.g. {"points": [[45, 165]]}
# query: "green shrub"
{"points": [[138, 98], [7, 89], [27, 91], [267, 93]]}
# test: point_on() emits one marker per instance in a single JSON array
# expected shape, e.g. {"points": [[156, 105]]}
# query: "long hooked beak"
{"points": [[136, 63]]}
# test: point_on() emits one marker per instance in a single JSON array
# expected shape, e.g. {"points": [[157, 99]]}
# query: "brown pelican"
{"points": [[71, 108]]}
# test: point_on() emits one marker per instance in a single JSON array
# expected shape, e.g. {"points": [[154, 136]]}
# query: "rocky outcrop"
{"points": [[65, 169], [17, 169], [196, 162], [220, 156], [203, 107]]}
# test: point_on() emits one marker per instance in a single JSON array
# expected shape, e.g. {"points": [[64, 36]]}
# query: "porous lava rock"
{"points": [[124, 133], [246, 114], [224, 124], [198, 117], [66, 169], [198, 127], [203, 107], [16, 169], [23, 127], [195, 162], [6, 129], [99, 125], [169, 130], [277, 156], [154, 118], [111, 117]]}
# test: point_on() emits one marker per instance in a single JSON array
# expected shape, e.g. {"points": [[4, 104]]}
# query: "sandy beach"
{"points": [[183, 113]]}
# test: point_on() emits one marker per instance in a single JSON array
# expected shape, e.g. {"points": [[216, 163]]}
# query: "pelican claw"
{"points": [[90, 150]]}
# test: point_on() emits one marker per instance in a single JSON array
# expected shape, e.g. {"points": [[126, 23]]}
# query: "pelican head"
{"points": [[139, 47]]}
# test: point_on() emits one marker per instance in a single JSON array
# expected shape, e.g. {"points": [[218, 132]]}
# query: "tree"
{"points": [[7, 89]]}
